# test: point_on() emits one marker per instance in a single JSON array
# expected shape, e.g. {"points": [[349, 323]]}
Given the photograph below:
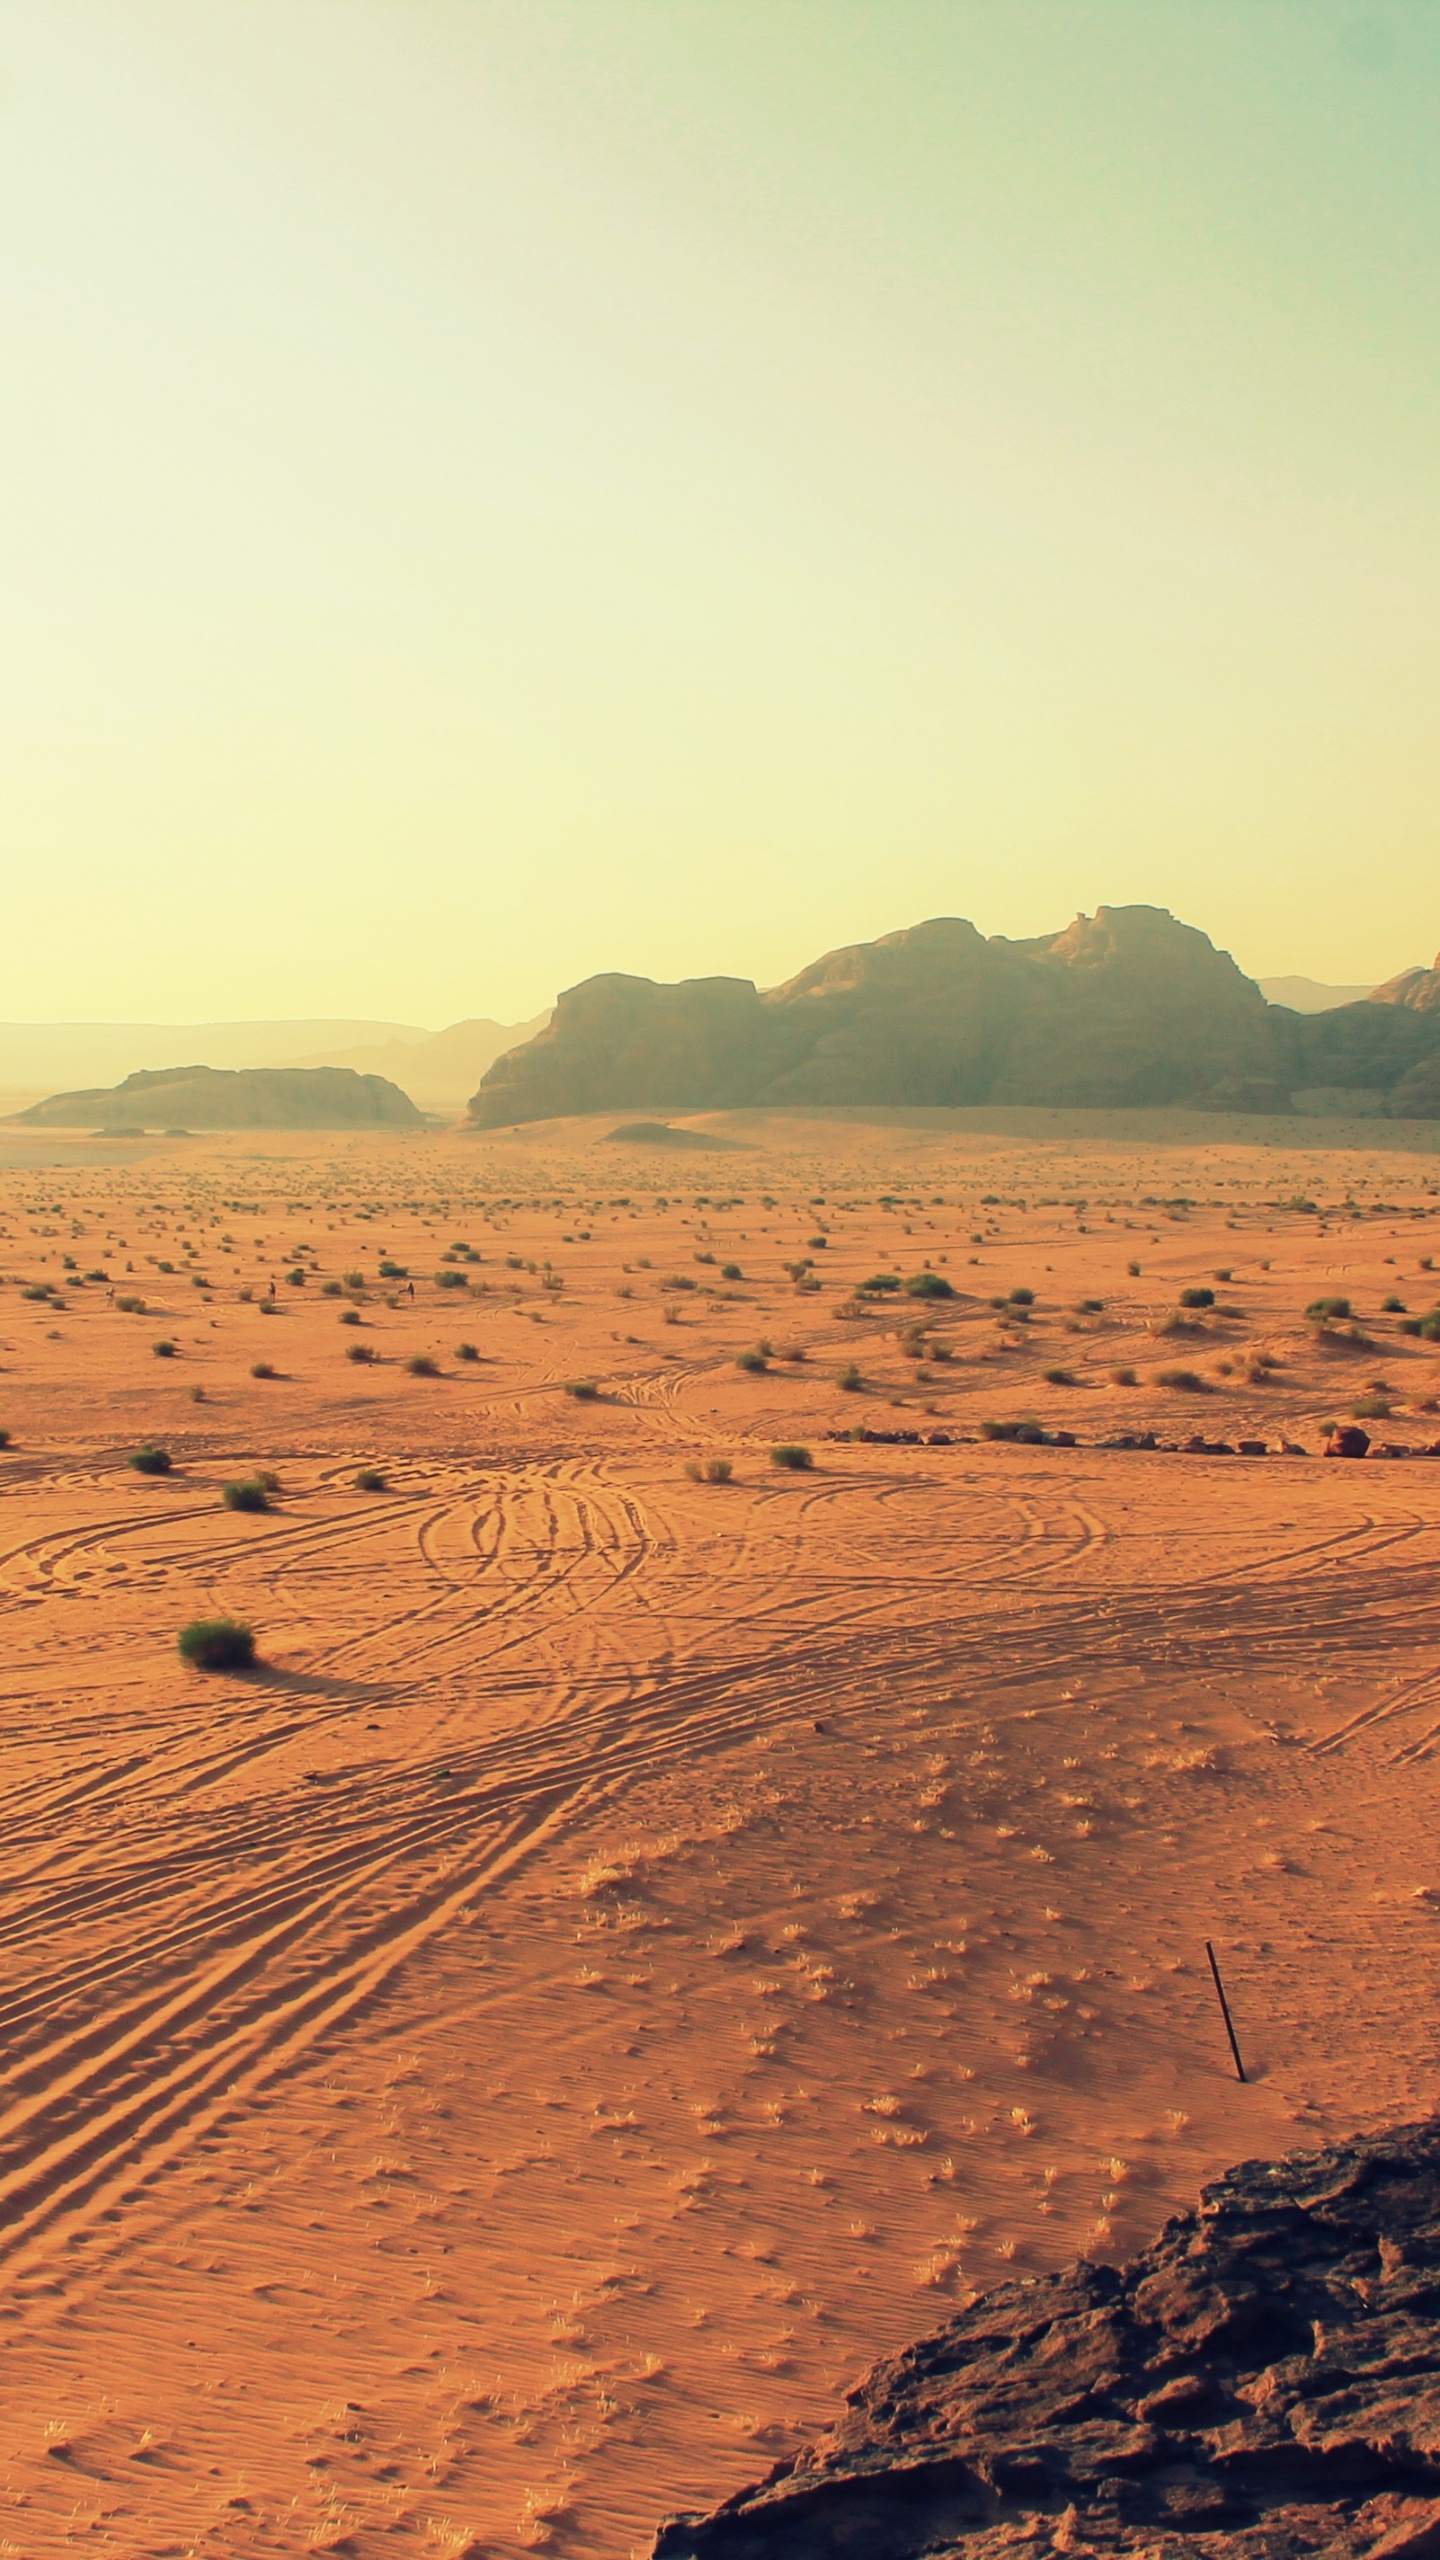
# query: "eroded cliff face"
{"points": [[1124, 1007], [1417, 989], [1261, 2384]]}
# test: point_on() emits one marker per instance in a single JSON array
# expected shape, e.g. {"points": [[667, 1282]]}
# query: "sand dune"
{"points": [[638, 1947]]}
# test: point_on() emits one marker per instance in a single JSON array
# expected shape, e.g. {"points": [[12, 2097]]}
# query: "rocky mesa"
{"points": [[1262, 2383], [1126, 1007], [231, 1098]]}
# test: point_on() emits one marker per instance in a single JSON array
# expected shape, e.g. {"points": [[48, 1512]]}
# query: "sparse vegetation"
{"points": [[731, 1271], [371, 1480], [245, 1493], [263, 1369], [163, 1350], [1197, 1297], [362, 1351], [1371, 1409], [348, 1315], [1324, 1311], [1061, 1378], [850, 1378], [584, 1390], [1124, 1377], [791, 1453], [218, 1644], [150, 1459], [1188, 1381], [420, 1365], [754, 1363], [709, 1470], [466, 1351], [928, 1284]]}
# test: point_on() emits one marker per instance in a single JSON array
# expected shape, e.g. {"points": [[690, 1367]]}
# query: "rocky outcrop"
{"points": [[1126, 1006], [1417, 989], [232, 1098], [1263, 2383]]}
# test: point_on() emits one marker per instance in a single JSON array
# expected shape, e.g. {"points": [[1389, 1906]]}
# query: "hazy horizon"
{"points": [[496, 495]]}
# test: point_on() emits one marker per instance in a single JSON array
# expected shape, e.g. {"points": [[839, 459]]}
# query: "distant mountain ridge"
{"points": [[1125, 1008], [439, 1069], [231, 1098]]}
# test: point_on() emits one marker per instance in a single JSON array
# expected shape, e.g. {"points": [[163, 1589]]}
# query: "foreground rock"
{"points": [[1264, 2380], [232, 1098]]}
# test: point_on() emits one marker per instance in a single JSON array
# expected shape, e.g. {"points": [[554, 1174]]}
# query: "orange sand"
{"points": [[638, 1948]]}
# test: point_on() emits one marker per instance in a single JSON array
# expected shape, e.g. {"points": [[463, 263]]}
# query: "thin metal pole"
{"points": [[1225, 2011]]}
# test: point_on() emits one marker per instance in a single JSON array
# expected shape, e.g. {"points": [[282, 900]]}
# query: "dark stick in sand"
{"points": [[1225, 2011]]}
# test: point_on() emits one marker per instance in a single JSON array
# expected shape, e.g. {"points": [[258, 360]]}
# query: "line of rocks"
{"points": [[1347, 1441]]}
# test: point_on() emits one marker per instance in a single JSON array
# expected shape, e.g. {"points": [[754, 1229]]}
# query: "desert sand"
{"points": [[636, 1948]]}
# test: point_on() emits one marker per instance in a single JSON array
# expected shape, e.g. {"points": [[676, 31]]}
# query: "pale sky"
{"points": [[492, 490]]}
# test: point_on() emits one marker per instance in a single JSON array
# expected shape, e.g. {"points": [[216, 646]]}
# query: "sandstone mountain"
{"points": [[437, 1071], [1262, 2384], [1417, 988], [231, 1098], [1126, 1007]]}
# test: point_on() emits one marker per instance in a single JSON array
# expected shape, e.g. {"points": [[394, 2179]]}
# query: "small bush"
{"points": [[1197, 1297], [218, 1644], [791, 1453], [1189, 1381], [362, 1351], [466, 1351], [149, 1459], [731, 1271], [163, 1350], [754, 1363], [331, 1289], [1371, 1409], [420, 1365], [263, 1369], [1022, 1298], [370, 1480], [1123, 1378], [584, 1390], [1329, 1310], [245, 1493], [878, 1283], [850, 1378], [1392, 1306], [348, 1315], [451, 1280], [709, 1470], [131, 1306], [1134, 1270], [1028, 1430], [1061, 1378], [927, 1284], [394, 1270]]}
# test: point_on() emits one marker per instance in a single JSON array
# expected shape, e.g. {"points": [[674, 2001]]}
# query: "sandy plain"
{"points": [[637, 1948]]}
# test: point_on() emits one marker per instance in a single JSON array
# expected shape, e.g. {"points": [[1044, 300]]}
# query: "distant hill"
{"points": [[439, 1069], [1307, 995], [1417, 989], [1126, 1007], [50, 1057], [232, 1098]]}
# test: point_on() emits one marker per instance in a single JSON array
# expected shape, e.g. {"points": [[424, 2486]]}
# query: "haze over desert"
{"points": [[635, 1947]]}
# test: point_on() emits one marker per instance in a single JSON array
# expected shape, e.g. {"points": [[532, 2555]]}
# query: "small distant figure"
{"points": [[272, 1288], [410, 1285]]}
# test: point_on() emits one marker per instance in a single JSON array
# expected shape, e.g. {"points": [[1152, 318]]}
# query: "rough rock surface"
{"points": [[1419, 989], [1262, 2383], [232, 1098]]}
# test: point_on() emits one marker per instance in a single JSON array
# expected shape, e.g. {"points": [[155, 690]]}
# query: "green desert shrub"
{"points": [[709, 1470], [370, 1480], [451, 1280], [1061, 1378], [731, 1271], [466, 1351], [850, 1378], [131, 1305], [1392, 1306], [218, 1644], [1022, 1298], [928, 1284], [263, 1369], [163, 1350], [584, 1390], [394, 1270], [878, 1283], [349, 1315], [1197, 1297], [149, 1459], [362, 1351], [1189, 1381], [245, 1493], [1371, 1408], [754, 1363], [1123, 1378], [1329, 1311], [420, 1365], [331, 1289], [791, 1453]]}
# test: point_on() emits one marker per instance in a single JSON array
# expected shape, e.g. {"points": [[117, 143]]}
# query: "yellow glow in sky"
{"points": [[499, 489]]}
